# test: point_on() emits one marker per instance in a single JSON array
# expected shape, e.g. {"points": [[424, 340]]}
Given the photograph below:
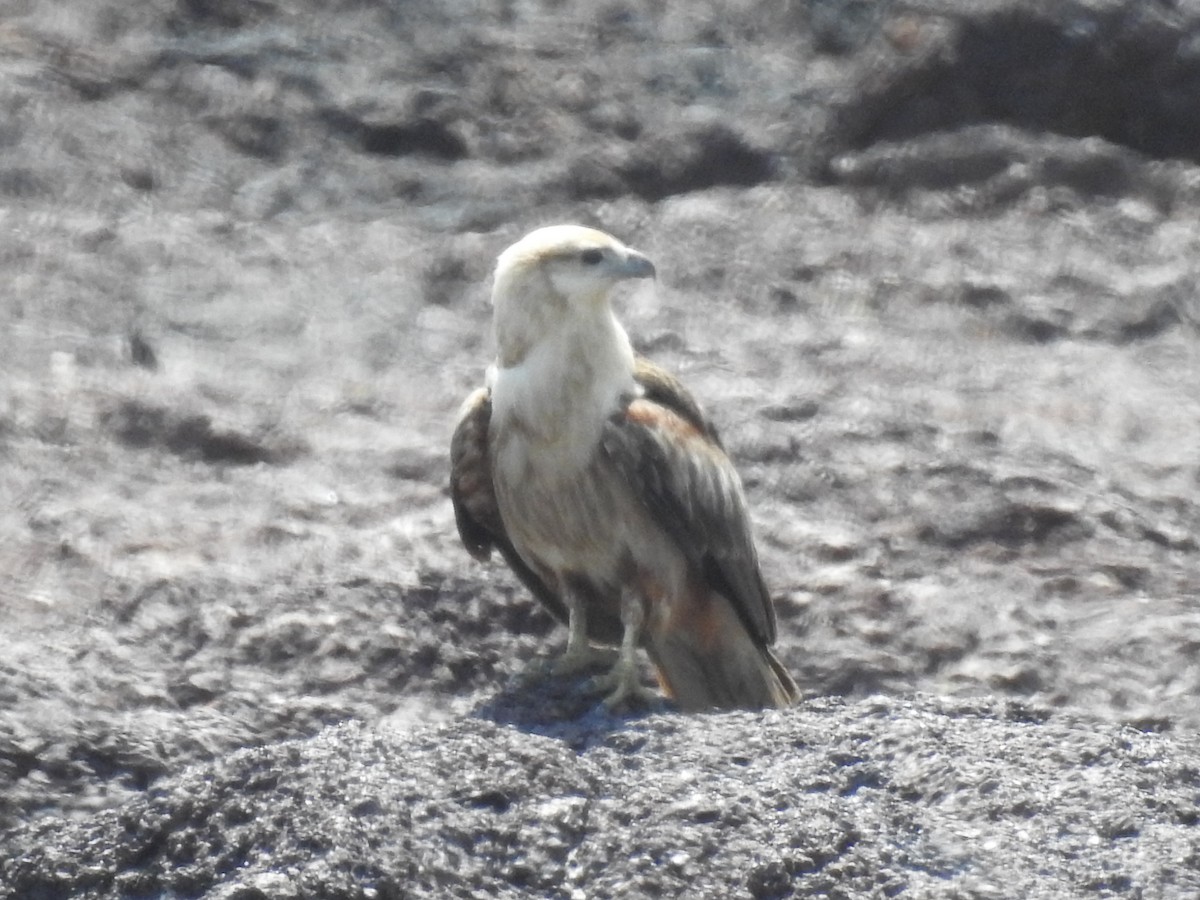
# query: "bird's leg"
{"points": [[580, 654], [622, 681]]}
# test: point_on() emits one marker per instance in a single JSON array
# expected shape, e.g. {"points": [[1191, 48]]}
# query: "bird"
{"points": [[597, 477]]}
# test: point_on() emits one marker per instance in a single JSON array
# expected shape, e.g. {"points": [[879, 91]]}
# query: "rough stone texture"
{"points": [[921, 798], [930, 265]]}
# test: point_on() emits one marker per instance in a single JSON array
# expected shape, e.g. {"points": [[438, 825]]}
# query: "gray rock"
{"points": [[921, 797]]}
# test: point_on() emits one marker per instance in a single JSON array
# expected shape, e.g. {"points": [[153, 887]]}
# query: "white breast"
{"points": [[548, 413], [549, 409]]}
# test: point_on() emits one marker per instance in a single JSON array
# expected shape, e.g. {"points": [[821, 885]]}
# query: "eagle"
{"points": [[607, 491]]}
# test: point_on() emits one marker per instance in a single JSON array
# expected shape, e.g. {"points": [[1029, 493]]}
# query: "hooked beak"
{"points": [[634, 265]]}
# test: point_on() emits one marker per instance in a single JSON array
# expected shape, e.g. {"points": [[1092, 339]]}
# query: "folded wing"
{"points": [[677, 468], [474, 496], [476, 510]]}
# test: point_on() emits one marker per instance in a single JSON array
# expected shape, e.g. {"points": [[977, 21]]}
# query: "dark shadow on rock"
{"points": [[394, 134], [1121, 74], [694, 158], [566, 709], [138, 424], [263, 137]]}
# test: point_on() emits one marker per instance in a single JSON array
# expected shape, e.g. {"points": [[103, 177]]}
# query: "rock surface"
{"points": [[924, 798], [931, 267]]}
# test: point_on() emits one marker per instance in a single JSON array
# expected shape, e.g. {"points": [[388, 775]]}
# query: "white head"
{"points": [[557, 275]]}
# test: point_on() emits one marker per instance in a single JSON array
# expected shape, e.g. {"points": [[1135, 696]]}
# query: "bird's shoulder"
{"points": [[660, 387]]}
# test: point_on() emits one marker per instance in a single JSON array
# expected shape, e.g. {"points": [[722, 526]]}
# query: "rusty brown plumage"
{"points": [[641, 441], [477, 511], [606, 489], [713, 650]]}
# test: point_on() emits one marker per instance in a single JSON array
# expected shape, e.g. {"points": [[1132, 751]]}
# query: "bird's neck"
{"points": [[561, 391]]}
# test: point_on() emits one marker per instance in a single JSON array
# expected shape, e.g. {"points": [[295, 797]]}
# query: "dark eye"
{"points": [[591, 256]]}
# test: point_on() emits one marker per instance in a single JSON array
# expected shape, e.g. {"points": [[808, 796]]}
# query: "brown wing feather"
{"points": [[471, 489], [692, 490], [477, 512], [474, 496], [665, 389], [475, 508]]}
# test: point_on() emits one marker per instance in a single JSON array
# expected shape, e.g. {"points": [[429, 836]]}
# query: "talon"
{"points": [[571, 662], [623, 678], [579, 656], [624, 687], [578, 659], [534, 671]]}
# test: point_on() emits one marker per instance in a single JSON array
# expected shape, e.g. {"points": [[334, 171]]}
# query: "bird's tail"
{"points": [[710, 661]]}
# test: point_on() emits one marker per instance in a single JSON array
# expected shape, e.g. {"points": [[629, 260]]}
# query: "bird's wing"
{"points": [[476, 510], [665, 389], [674, 464], [471, 488], [474, 495]]}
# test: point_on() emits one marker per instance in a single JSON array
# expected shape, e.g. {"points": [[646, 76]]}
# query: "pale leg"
{"points": [[622, 680], [580, 654]]}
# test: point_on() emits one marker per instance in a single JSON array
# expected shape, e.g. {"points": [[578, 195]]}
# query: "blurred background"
{"points": [[930, 266]]}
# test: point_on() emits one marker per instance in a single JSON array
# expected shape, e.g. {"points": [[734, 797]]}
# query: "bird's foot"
{"points": [[579, 659], [572, 662], [624, 687]]}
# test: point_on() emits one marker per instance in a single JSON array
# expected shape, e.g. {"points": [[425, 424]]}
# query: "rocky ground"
{"points": [[931, 266]]}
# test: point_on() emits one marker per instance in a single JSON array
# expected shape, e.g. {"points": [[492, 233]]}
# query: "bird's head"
{"points": [[576, 264], [557, 274]]}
